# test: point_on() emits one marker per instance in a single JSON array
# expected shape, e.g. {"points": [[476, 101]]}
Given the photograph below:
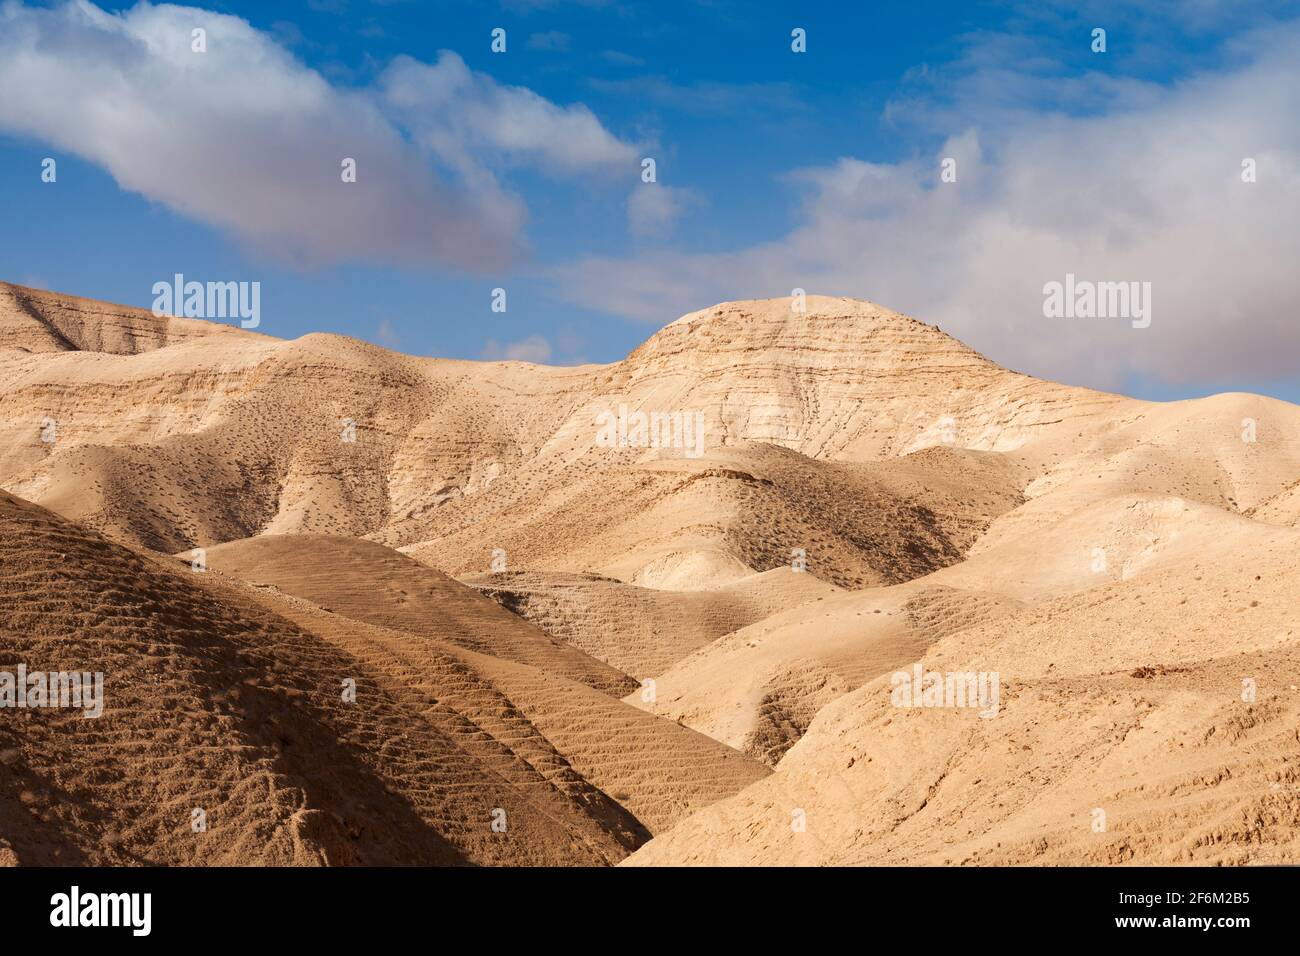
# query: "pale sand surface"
{"points": [[610, 648]]}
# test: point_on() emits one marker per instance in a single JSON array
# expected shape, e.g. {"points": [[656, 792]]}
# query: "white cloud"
{"points": [[532, 349], [1149, 190], [457, 113], [247, 138], [654, 209]]}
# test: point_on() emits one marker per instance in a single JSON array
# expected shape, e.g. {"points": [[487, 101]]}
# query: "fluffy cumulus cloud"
{"points": [[458, 114], [247, 138], [1144, 185]]}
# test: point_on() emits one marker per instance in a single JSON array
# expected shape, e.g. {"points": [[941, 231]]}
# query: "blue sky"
{"points": [[775, 169]]}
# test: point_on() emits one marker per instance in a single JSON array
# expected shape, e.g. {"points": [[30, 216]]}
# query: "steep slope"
{"points": [[421, 623], [1174, 766], [842, 380], [244, 433], [213, 703], [659, 770], [34, 320], [368, 582], [643, 631]]}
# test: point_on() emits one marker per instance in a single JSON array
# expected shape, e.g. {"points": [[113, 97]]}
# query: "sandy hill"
{"points": [[1191, 449], [371, 583], [654, 768], [682, 524], [214, 703], [1123, 565], [1125, 699], [843, 380], [33, 320], [759, 687], [241, 434], [644, 631]]}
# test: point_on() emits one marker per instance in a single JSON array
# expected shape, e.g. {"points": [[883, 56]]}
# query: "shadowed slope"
{"points": [[214, 703], [687, 524], [369, 582], [38, 321], [643, 631], [656, 769], [450, 688]]}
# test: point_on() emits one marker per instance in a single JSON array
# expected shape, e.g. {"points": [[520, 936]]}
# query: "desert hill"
{"points": [[243, 434], [685, 643], [758, 688], [223, 696], [682, 524], [33, 320], [368, 582], [657, 770], [1126, 698], [643, 631], [213, 703]]}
